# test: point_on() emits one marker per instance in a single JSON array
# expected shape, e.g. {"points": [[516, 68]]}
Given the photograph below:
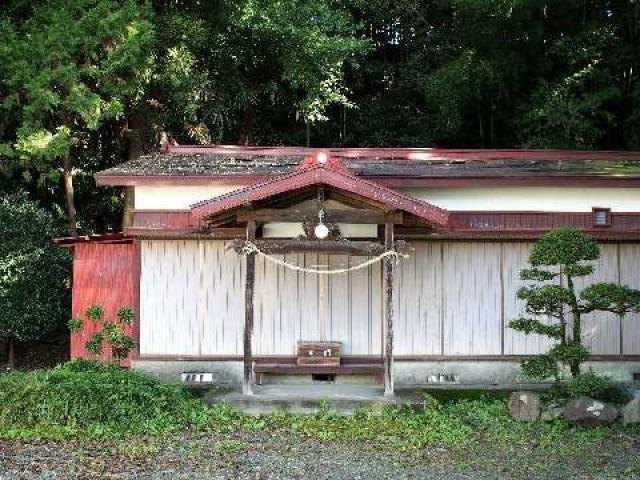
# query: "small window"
{"points": [[601, 217]]}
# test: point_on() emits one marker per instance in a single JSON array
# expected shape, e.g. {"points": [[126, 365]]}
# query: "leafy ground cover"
{"points": [[84, 420]]}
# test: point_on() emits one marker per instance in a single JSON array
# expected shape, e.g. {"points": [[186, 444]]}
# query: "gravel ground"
{"points": [[264, 456]]}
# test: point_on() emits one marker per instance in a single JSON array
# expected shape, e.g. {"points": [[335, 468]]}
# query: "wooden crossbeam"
{"points": [[337, 247], [356, 216]]}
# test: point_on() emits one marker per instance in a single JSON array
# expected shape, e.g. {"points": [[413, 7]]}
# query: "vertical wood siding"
{"points": [[472, 317], [419, 301], [630, 275], [601, 330], [292, 306], [103, 274], [451, 298], [514, 259], [191, 298]]}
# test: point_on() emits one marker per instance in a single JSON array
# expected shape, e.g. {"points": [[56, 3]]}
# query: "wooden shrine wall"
{"points": [[452, 299], [103, 275]]}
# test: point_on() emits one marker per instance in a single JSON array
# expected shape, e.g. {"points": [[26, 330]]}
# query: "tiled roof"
{"points": [[332, 173], [384, 163]]}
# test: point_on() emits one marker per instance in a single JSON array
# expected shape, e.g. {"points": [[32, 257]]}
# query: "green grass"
{"points": [[142, 418], [86, 399]]}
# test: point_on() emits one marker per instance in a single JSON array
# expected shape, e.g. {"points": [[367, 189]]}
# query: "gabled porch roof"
{"points": [[320, 171]]}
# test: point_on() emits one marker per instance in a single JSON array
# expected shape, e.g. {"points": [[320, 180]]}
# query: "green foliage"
{"points": [[120, 344], [108, 327], [94, 313], [458, 87], [530, 325], [545, 299], [537, 274], [564, 247], [125, 315], [94, 344], [34, 274], [70, 67], [75, 324], [571, 353], [610, 297], [541, 367], [68, 70], [569, 254], [313, 41], [591, 385], [261, 58], [572, 112], [103, 80], [94, 398], [83, 398]]}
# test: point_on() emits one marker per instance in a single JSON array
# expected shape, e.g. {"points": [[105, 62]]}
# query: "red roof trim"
{"points": [[333, 173]]}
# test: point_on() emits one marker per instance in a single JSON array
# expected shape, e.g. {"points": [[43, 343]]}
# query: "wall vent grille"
{"points": [[197, 377]]}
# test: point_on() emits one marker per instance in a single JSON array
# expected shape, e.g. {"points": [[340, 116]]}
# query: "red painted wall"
{"points": [[105, 275]]}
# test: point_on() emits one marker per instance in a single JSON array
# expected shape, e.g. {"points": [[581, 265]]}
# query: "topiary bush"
{"points": [[554, 307], [91, 396]]}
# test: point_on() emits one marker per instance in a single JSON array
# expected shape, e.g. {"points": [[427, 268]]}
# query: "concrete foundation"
{"points": [[224, 372], [457, 372]]}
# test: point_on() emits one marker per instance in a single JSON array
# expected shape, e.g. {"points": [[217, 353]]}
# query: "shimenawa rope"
{"points": [[251, 247]]}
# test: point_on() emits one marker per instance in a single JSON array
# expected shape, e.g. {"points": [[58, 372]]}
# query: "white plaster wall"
{"points": [[348, 230], [166, 197], [531, 198], [476, 199]]}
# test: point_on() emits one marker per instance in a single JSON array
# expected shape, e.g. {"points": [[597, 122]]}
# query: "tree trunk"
{"points": [[574, 366], [11, 354], [69, 196], [136, 126], [129, 205], [576, 336], [481, 129], [246, 130], [575, 313]]}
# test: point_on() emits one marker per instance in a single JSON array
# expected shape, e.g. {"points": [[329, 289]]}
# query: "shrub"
{"points": [[111, 333], [588, 384], [34, 274], [94, 397]]}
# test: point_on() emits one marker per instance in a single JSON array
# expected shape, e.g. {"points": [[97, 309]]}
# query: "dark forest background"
{"points": [[86, 84]]}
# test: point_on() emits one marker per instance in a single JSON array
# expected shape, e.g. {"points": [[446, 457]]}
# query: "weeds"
{"points": [[93, 400]]}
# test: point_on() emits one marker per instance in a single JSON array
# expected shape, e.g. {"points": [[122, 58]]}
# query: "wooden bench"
{"points": [[376, 369]]}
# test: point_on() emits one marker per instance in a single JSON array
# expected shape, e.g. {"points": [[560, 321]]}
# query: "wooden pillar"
{"points": [[250, 278], [388, 269]]}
